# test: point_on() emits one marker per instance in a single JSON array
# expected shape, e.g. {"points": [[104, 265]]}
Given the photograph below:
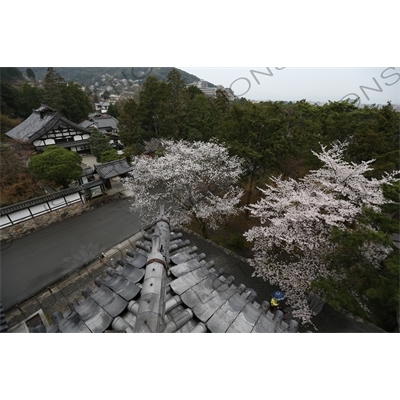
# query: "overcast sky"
{"points": [[372, 85]]}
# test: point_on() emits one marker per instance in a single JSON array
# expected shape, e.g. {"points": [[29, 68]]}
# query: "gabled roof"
{"points": [[112, 168], [164, 285], [101, 122], [39, 122], [87, 124], [108, 122]]}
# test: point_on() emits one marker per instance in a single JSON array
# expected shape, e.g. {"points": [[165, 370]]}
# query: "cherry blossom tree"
{"points": [[292, 243], [195, 180]]}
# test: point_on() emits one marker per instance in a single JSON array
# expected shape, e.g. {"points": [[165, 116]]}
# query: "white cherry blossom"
{"points": [[195, 180], [297, 218]]}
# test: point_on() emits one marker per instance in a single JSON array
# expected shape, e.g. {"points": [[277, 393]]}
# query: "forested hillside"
{"points": [[90, 75], [10, 74]]}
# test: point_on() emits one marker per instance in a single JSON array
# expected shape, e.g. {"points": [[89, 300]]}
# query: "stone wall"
{"points": [[31, 225]]}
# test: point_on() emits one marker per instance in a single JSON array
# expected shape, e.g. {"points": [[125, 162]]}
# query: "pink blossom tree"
{"points": [[297, 218], [195, 180]]}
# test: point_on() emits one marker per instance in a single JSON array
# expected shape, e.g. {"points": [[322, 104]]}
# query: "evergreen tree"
{"points": [[9, 100], [113, 110], [31, 74], [53, 86], [376, 135], [56, 165], [68, 99], [151, 109], [76, 105], [365, 288], [99, 143], [30, 98], [176, 106], [109, 155], [199, 121], [129, 125]]}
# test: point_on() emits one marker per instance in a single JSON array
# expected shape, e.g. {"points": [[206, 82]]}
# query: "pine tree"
{"points": [[53, 86], [99, 143]]}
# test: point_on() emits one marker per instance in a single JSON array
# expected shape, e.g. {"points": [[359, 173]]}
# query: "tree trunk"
{"points": [[250, 192], [204, 231], [202, 225]]}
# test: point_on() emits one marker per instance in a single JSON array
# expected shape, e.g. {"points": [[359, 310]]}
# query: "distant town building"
{"points": [[102, 107], [212, 91]]}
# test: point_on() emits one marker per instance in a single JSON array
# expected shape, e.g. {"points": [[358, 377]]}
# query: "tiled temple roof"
{"points": [[166, 285], [112, 168], [40, 122], [101, 122]]}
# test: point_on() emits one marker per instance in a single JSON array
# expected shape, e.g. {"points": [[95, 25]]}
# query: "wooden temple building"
{"points": [[46, 127]]}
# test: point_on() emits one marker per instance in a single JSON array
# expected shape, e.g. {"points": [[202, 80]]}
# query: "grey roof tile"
{"points": [[145, 293], [101, 122], [95, 318], [245, 320], [73, 323], [201, 291], [191, 265], [264, 325], [204, 309], [40, 122], [119, 285], [184, 256], [113, 168], [109, 301], [189, 280], [222, 319], [132, 273], [179, 321], [136, 259]]}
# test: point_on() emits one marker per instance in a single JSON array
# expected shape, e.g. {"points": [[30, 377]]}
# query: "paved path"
{"points": [[35, 261]]}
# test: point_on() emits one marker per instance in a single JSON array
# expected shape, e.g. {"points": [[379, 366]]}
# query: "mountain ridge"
{"points": [[90, 75]]}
